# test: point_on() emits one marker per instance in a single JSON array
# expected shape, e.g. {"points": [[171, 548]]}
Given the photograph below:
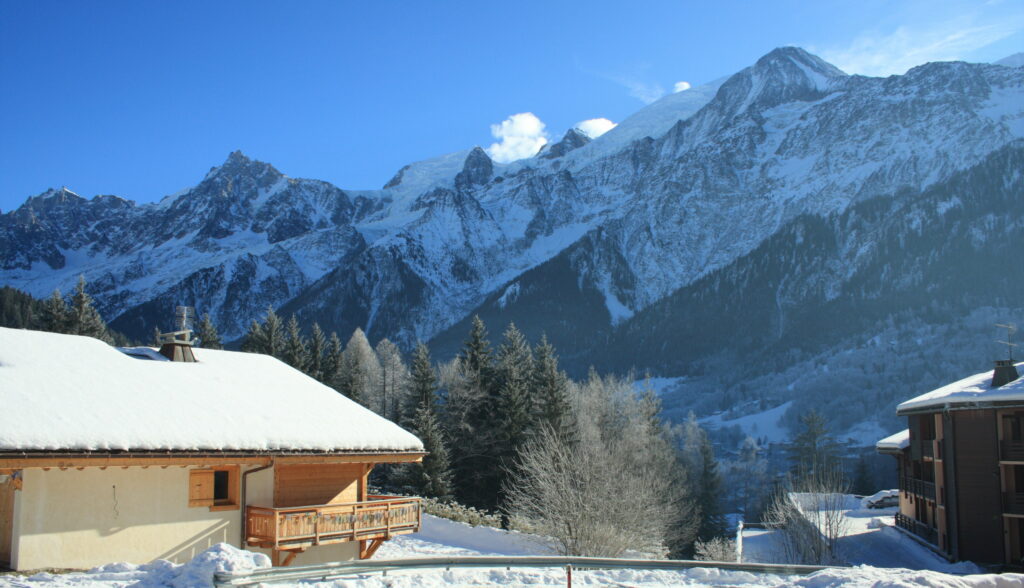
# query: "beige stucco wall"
{"points": [[83, 518]]}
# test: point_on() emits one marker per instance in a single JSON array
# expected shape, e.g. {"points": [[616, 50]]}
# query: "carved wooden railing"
{"points": [[377, 518]]}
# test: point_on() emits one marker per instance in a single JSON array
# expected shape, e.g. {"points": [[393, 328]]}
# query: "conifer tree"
{"points": [[469, 404], [863, 480], [84, 319], [255, 339], [551, 389], [315, 353], [333, 361], [702, 470], [513, 416], [294, 351], [207, 333], [273, 334], [433, 477], [54, 316], [422, 383]]}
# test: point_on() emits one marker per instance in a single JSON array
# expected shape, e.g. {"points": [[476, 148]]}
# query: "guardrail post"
{"points": [[568, 576]]}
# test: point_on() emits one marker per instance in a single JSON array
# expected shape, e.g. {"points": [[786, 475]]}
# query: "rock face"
{"points": [[770, 182]]}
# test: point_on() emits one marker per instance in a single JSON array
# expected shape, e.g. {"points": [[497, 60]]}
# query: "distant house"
{"points": [[133, 454], [961, 467]]}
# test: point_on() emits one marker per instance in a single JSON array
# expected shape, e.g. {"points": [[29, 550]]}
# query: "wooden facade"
{"points": [[962, 483]]}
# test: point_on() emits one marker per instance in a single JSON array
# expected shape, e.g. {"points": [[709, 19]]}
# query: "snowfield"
{"points": [[440, 537]]}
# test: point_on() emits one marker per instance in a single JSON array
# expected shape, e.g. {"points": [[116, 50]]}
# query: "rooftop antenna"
{"points": [[1010, 330]]}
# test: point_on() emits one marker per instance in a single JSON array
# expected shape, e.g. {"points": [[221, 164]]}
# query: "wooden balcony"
{"points": [[918, 487], [1011, 450], [299, 527], [929, 534]]}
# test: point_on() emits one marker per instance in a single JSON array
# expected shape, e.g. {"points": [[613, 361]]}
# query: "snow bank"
{"points": [[64, 392]]}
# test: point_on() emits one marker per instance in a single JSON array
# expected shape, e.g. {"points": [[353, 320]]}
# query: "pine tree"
{"points": [[207, 333], [433, 477], [863, 480], [294, 351], [315, 353], [55, 315], [513, 418], [551, 389], [255, 338], [273, 334], [702, 471], [84, 319], [334, 360], [469, 405], [422, 383]]}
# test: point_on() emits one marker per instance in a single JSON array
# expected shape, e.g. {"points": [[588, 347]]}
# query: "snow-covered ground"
{"points": [[870, 538], [440, 537]]}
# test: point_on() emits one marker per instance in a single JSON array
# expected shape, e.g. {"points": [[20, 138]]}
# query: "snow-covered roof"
{"points": [[971, 391], [70, 393], [894, 443]]}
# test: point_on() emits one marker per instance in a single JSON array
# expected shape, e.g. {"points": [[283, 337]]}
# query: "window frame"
{"points": [[201, 485]]}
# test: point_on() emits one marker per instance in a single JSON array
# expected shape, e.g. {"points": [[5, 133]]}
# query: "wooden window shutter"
{"points": [[200, 488]]}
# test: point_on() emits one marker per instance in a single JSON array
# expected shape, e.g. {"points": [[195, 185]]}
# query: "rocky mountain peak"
{"points": [[783, 75], [476, 171], [573, 139], [238, 165]]}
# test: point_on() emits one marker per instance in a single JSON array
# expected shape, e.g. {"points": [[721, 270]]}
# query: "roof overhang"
{"points": [[963, 405], [17, 460]]}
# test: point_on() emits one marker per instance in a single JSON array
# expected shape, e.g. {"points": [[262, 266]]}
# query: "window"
{"points": [[216, 488]]}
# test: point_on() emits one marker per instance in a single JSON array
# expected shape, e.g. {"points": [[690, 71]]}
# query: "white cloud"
{"points": [[595, 127], [681, 87], [520, 136], [643, 91], [878, 54]]}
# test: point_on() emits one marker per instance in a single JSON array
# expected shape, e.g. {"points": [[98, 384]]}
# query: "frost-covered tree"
{"points": [[254, 340], [273, 334], [362, 370], [393, 377], [207, 333], [702, 470], [747, 480], [295, 352], [83, 318], [586, 495], [813, 448]]}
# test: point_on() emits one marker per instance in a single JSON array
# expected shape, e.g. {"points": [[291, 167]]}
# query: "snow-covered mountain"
{"points": [[583, 241]]}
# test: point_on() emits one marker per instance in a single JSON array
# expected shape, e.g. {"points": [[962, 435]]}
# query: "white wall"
{"points": [[83, 518]]}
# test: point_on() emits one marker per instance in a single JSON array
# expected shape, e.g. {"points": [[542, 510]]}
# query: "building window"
{"points": [[215, 488]]}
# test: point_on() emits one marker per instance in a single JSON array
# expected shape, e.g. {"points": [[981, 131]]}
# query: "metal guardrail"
{"points": [[338, 569]]}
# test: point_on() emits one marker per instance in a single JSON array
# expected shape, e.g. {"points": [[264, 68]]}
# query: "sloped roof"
{"points": [[894, 443], [971, 391], [70, 393]]}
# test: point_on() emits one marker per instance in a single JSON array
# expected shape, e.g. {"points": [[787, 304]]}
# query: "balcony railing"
{"points": [[1013, 502], [301, 526], [919, 487], [929, 534], [1011, 450]]}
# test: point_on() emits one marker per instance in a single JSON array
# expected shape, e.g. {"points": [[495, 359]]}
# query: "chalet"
{"points": [[961, 467], [111, 454]]}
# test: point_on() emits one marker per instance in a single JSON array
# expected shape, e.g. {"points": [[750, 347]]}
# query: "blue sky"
{"points": [[140, 99]]}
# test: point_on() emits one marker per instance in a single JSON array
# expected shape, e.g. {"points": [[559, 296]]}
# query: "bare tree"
{"points": [[809, 513], [717, 549], [618, 487]]}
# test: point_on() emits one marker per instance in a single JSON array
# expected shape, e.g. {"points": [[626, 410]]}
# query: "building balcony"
{"points": [[929, 534], [299, 527], [918, 487], [1013, 503], [1011, 450]]}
